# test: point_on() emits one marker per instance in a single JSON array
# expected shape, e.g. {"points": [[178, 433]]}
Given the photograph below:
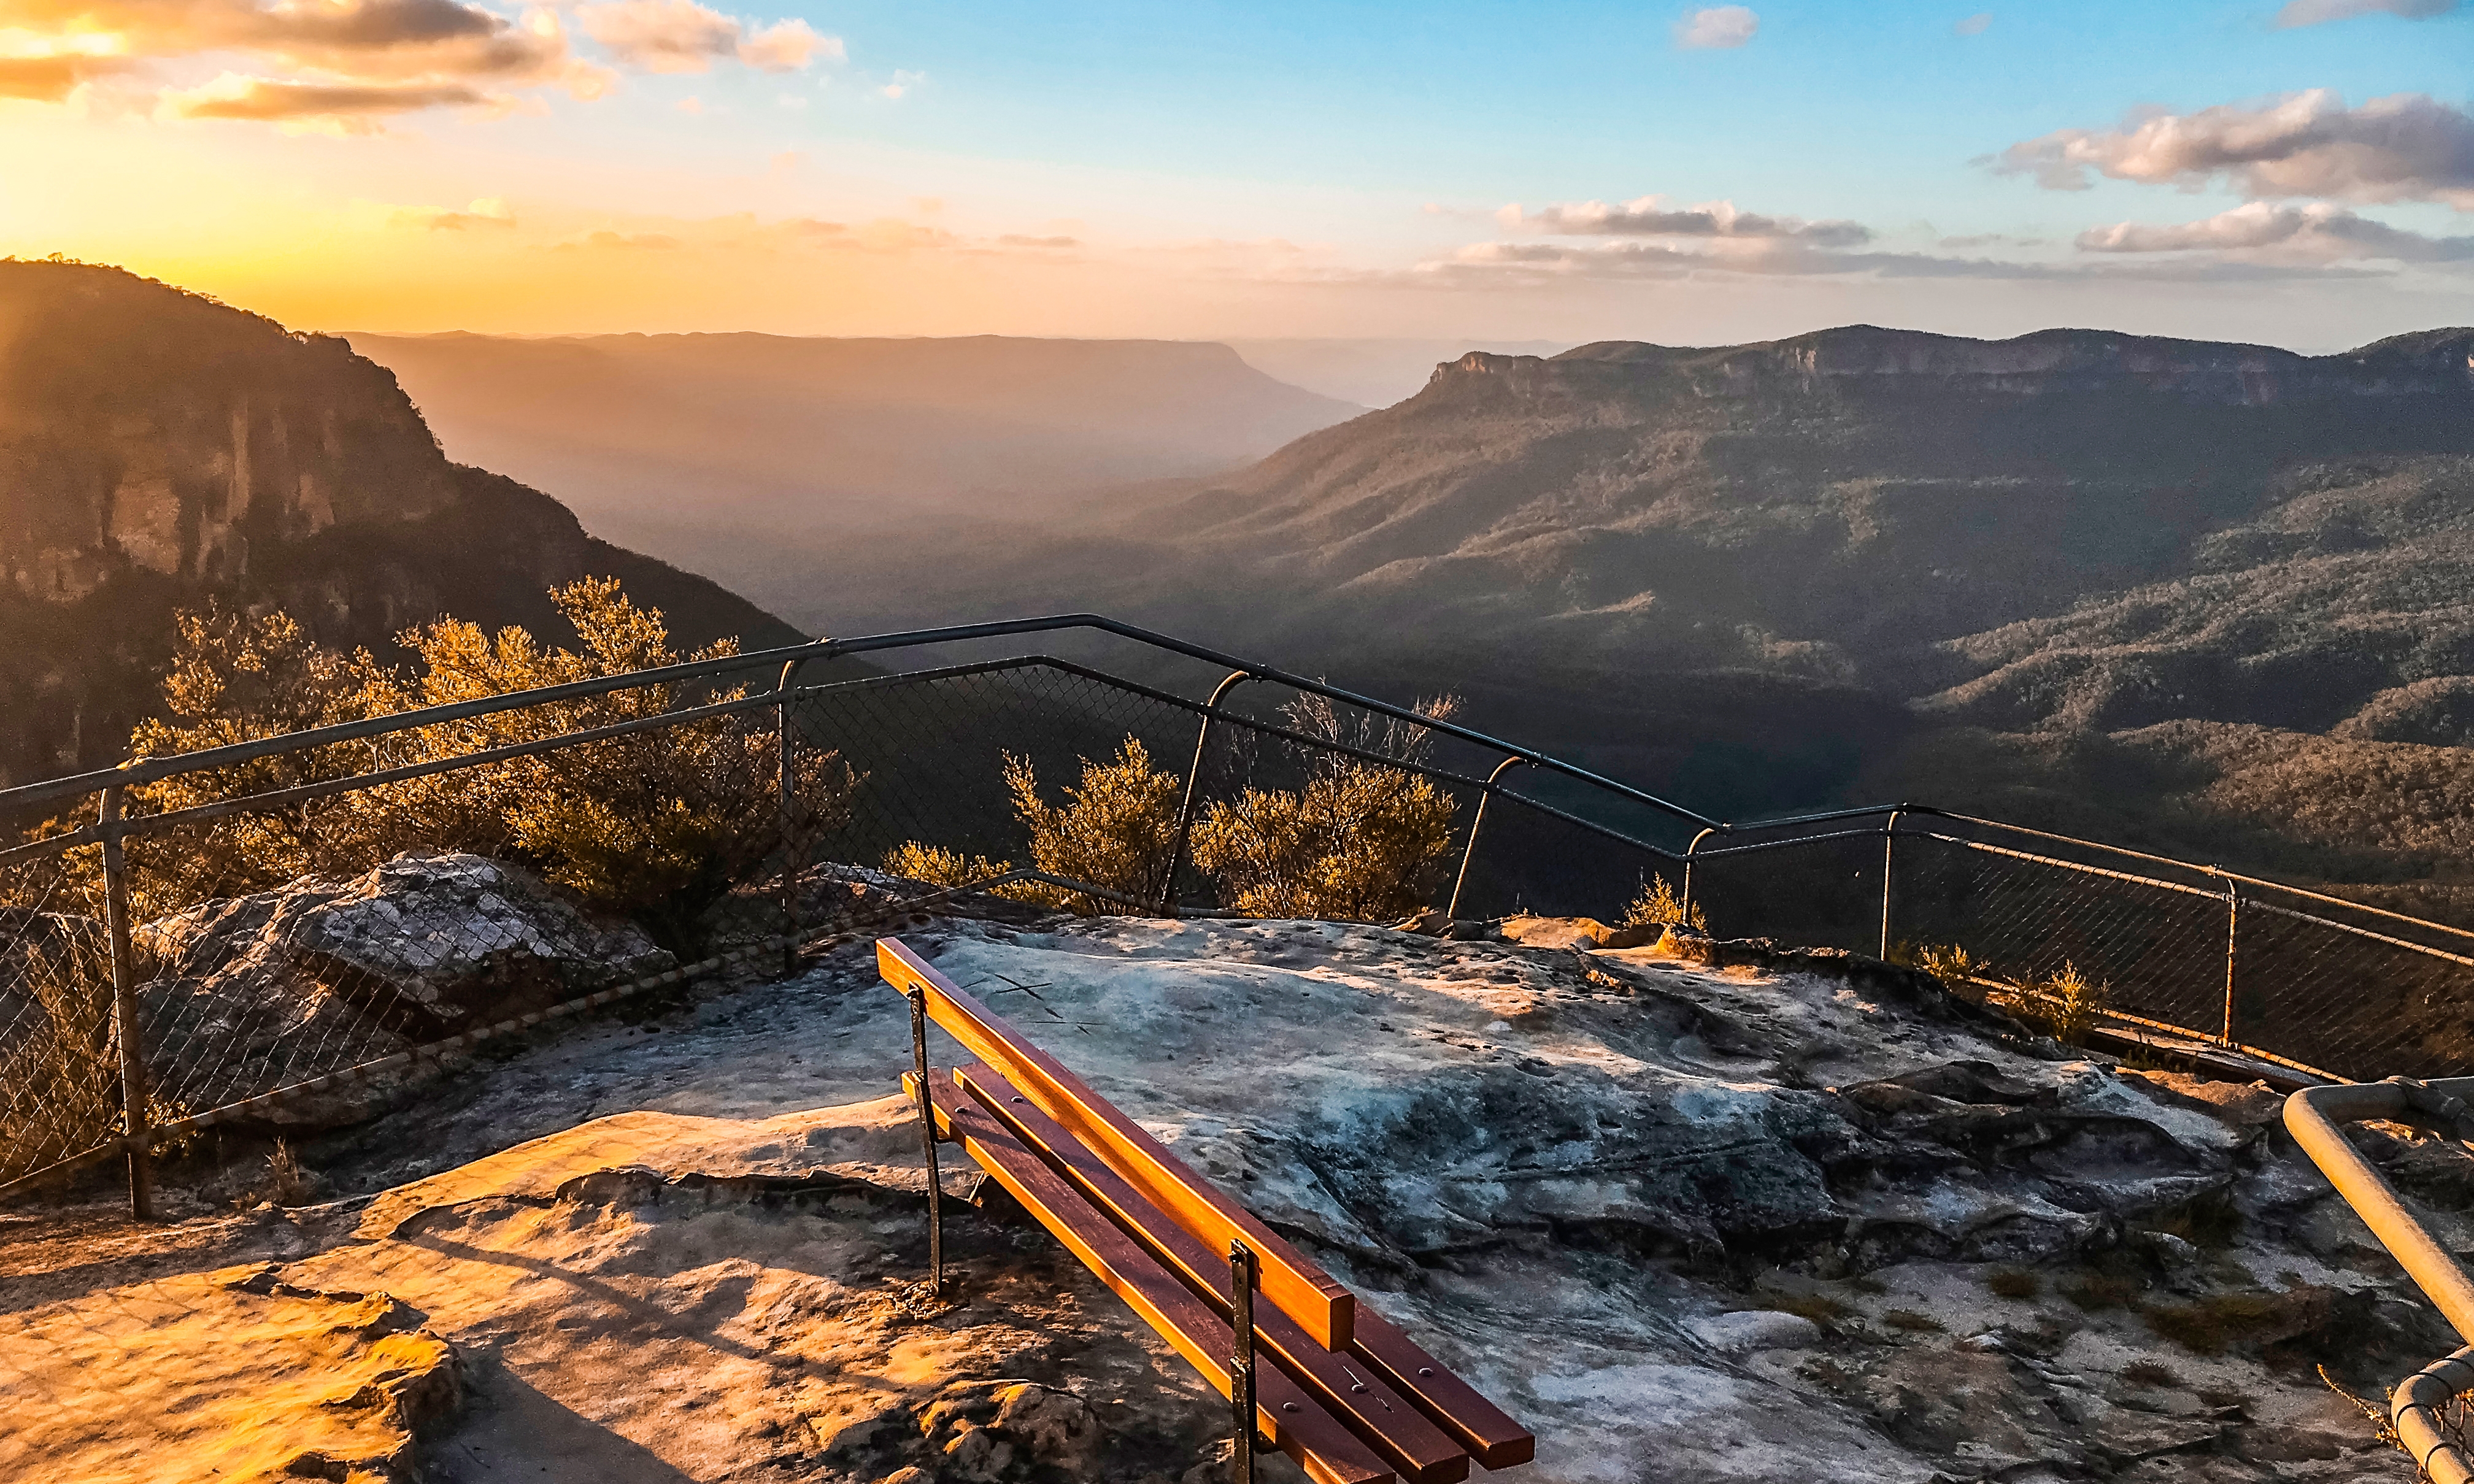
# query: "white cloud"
{"points": [[2404, 146], [680, 36], [902, 83], [1717, 28], [1974, 25], [1650, 216], [2317, 231], [2318, 12]]}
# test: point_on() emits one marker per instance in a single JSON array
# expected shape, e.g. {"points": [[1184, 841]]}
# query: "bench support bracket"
{"points": [[1241, 1362], [928, 1141]]}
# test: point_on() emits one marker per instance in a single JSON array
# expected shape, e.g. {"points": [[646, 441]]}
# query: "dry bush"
{"points": [[1658, 905], [1115, 829], [1357, 842], [2013, 1283], [658, 824], [1953, 966], [2065, 1003]]}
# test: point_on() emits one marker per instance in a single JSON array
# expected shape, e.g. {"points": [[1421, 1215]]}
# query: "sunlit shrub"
{"points": [[1115, 829], [1658, 905]]}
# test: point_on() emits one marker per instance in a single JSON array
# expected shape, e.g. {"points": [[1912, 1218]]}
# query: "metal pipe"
{"points": [[928, 1142], [2313, 1117], [793, 856], [126, 1032], [1468, 853], [2233, 941], [1688, 852], [1241, 1278], [1194, 787], [1889, 838]]}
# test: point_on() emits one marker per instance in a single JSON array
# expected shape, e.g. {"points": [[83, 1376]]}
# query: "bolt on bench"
{"points": [[1344, 1393]]}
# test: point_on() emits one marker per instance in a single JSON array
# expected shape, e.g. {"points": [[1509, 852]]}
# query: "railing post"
{"points": [[1468, 853], [126, 1034], [1241, 1278], [2233, 940], [1160, 899], [1889, 836], [786, 738], [1688, 872], [928, 1141]]}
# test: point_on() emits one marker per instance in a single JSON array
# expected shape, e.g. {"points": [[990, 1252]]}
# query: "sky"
{"points": [[2291, 172]]}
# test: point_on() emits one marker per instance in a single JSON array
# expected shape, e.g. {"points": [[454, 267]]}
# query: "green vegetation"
{"points": [[1115, 829]]}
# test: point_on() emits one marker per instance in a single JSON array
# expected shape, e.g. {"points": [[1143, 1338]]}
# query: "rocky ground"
{"points": [[1807, 1220]]}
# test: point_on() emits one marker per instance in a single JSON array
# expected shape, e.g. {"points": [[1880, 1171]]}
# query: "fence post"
{"points": [[2233, 940], [1470, 851], [928, 1140], [126, 1034], [1193, 790], [1241, 1361], [1688, 872], [1889, 836], [786, 738]]}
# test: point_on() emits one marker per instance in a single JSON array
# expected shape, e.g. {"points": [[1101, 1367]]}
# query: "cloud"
{"points": [[1649, 216], [1974, 25], [2317, 231], [1718, 28], [2319, 12], [342, 108], [1018, 240], [902, 83], [2404, 146], [487, 211], [680, 36], [52, 78]]}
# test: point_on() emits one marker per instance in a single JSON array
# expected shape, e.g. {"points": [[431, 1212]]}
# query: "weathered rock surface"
{"points": [[1687, 1223], [251, 992]]}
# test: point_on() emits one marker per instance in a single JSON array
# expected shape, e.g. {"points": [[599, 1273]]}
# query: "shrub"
{"points": [[1955, 966], [657, 824], [1115, 829], [938, 866], [1357, 842], [1658, 905], [2065, 1003]]}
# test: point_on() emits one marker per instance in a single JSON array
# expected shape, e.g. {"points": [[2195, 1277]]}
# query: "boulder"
{"points": [[252, 993]]}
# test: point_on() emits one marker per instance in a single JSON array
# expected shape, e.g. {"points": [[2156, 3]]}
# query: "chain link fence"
{"points": [[282, 933]]}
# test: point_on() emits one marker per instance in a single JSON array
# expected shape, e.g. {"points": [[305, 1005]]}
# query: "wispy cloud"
{"points": [[680, 36], [488, 212], [2319, 12], [1974, 25], [1718, 28], [1650, 216], [2316, 231], [2404, 146]]}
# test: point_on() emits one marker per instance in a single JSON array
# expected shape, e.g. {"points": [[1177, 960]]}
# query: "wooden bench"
{"points": [[1343, 1392]]}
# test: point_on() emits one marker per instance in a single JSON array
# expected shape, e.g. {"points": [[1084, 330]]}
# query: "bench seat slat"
{"points": [[1355, 1394], [1328, 1452], [1482, 1427], [1308, 1295]]}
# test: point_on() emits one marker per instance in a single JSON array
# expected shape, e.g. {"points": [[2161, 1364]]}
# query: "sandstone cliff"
{"points": [[159, 450]]}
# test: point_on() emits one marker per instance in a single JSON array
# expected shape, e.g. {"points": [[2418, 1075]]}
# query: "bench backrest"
{"points": [[1311, 1296]]}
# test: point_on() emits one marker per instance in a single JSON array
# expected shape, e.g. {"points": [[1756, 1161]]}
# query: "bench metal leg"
{"points": [[927, 1140], [1242, 1278]]}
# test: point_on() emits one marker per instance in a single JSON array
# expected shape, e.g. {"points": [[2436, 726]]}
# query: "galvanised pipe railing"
{"points": [[2314, 1116]]}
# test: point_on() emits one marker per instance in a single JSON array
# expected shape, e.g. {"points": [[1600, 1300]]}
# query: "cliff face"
{"points": [[159, 451], [145, 429]]}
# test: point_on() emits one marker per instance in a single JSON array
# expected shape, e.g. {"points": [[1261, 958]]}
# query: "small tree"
{"points": [[1115, 829]]}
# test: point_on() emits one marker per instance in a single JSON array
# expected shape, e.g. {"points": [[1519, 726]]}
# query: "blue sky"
{"points": [[1279, 168]]}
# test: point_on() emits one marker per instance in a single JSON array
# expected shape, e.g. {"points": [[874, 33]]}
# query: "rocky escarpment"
{"points": [[161, 451], [1687, 1223]]}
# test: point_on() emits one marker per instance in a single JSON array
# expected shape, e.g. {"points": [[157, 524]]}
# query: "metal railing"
{"points": [[178, 949], [2418, 1407]]}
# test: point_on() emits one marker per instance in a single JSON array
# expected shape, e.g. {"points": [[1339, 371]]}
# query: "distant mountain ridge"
{"points": [[159, 450]]}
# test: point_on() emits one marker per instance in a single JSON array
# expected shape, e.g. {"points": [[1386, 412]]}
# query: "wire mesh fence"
{"points": [[300, 923]]}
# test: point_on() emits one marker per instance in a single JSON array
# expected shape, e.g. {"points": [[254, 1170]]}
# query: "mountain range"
{"points": [[2205, 596]]}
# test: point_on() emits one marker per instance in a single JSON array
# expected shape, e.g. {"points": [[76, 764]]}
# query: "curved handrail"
{"points": [[2312, 1116]]}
